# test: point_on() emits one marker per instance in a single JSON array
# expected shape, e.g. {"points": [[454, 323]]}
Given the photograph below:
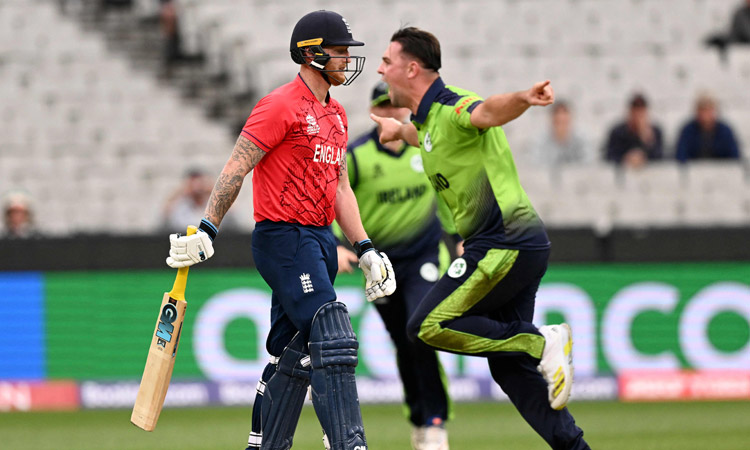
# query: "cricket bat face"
{"points": [[159, 364]]}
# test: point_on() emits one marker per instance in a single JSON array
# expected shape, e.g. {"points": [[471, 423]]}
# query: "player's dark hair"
{"points": [[421, 45]]}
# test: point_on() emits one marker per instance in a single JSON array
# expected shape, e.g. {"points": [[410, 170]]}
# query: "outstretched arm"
{"points": [[245, 157], [500, 109]]}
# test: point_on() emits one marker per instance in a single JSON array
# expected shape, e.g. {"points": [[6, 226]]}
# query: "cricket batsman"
{"points": [[294, 142]]}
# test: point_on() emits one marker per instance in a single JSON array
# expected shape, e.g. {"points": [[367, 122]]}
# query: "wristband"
{"points": [[209, 228], [363, 247]]}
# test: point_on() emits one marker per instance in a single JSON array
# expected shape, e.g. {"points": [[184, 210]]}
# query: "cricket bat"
{"points": [[161, 354]]}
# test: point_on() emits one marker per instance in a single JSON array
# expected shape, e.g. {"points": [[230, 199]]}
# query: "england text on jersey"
{"points": [[329, 154]]}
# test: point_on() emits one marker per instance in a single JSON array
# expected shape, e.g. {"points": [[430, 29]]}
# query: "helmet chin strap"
{"points": [[325, 77], [328, 78], [314, 62]]}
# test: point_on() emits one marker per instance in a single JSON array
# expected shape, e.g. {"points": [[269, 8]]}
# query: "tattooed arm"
{"points": [[185, 251], [346, 208], [245, 157]]}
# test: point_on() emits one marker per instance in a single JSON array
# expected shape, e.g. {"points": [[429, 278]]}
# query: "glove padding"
{"points": [[379, 275], [188, 250]]}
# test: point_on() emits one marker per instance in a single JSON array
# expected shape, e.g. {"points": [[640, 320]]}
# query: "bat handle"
{"points": [[180, 281]]}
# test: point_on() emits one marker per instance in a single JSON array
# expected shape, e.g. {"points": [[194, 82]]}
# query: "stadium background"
{"points": [[651, 267]]}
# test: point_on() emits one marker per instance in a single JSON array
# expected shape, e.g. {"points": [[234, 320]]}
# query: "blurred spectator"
{"points": [[740, 31], [637, 140], [118, 3], [561, 144], [170, 31], [18, 216], [189, 201], [705, 136]]}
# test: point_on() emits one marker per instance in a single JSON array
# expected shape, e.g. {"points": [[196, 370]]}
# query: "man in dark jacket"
{"points": [[705, 136], [636, 140]]}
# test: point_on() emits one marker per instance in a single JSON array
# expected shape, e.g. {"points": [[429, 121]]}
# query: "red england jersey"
{"points": [[305, 142]]}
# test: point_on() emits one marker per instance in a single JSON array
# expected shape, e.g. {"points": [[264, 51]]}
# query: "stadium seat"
{"points": [[93, 104], [567, 210], [587, 179], [658, 179], [716, 210], [721, 178], [633, 209], [100, 111]]}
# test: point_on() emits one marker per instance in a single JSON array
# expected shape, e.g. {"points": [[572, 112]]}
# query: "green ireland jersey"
{"points": [[395, 199], [473, 171]]}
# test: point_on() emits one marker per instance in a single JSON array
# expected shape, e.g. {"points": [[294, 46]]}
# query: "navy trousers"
{"points": [[419, 368], [299, 264], [484, 306]]}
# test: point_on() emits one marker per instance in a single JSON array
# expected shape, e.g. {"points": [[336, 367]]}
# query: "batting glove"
{"points": [[378, 270], [187, 250]]}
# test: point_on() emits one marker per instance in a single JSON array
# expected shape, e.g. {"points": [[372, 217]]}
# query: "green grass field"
{"points": [[477, 426]]}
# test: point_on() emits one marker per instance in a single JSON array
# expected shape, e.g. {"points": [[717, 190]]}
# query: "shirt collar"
{"points": [[427, 101], [300, 80]]}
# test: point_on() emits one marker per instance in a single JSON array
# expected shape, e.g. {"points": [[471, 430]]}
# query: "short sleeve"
{"points": [[463, 108], [269, 122]]}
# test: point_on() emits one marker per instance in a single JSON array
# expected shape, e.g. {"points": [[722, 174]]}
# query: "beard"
{"points": [[336, 78]]}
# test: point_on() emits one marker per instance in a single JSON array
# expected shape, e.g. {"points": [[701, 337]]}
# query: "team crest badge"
{"points": [[427, 142], [457, 268], [348, 28], [416, 164], [307, 285], [429, 272], [312, 125]]}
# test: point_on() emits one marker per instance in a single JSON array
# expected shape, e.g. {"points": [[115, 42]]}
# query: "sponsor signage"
{"points": [[685, 385], [39, 396], [21, 326], [626, 319], [100, 395]]}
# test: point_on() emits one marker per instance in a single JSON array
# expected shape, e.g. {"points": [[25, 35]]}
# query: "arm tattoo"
{"points": [[225, 192], [229, 183], [246, 152], [342, 168]]}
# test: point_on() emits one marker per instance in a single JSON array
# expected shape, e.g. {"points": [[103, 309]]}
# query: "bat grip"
{"points": [[180, 281]]}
